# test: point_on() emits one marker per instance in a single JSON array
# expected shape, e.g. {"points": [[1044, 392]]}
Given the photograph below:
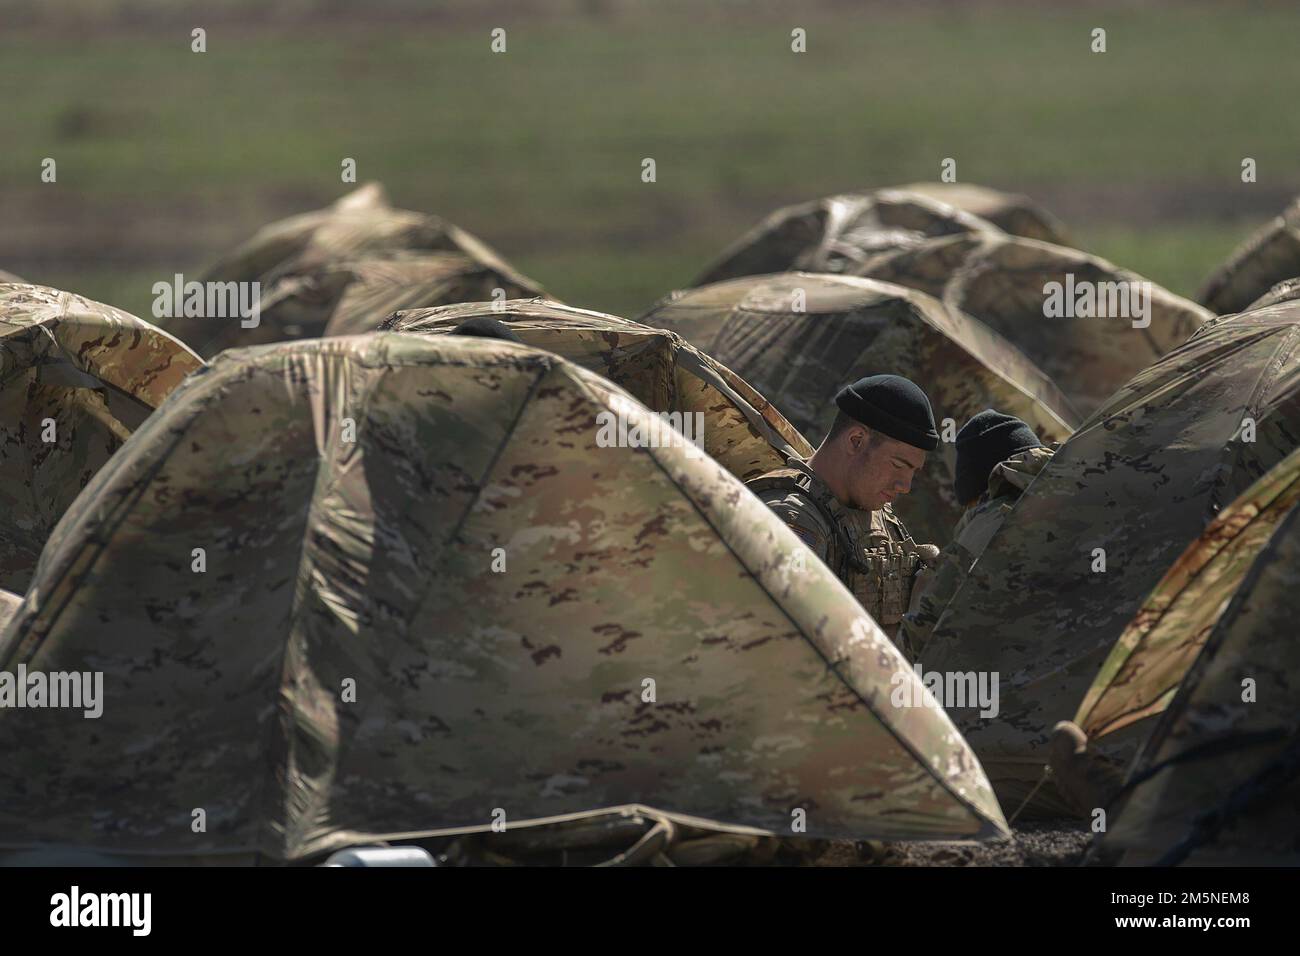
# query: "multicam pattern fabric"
{"points": [[347, 665], [1004, 280], [871, 552], [742, 430], [839, 233], [1218, 782], [76, 378], [1269, 256], [344, 269], [1150, 658], [935, 587], [1011, 212], [1127, 493], [798, 338]]}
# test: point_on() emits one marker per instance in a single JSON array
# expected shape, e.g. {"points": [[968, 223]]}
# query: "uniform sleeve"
{"points": [[800, 519]]}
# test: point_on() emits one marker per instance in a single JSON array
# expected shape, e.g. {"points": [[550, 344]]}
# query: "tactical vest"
{"points": [[878, 566]]}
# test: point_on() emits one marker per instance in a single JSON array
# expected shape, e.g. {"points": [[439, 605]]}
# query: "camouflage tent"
{"points": [[838, 233], [740, 429], [798, 338], [1284, 291], [391, 586], [1100, 526], [1263, 260], [1147, 663], [345, 268], [1218, 782], [1011, 212], [9, 603], [1087, 323], [76, 378]]}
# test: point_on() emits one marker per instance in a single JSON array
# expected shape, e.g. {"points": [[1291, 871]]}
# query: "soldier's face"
{"points": [[881, 469]]}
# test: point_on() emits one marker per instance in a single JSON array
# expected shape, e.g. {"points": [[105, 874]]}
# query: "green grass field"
{"points": [[168, 157]]}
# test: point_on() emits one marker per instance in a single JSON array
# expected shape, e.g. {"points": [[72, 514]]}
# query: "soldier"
{"points": [[997, 457], [838, 501]]}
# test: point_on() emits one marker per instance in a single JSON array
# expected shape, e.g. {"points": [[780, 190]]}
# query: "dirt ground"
{"points": [[1045, 843]]}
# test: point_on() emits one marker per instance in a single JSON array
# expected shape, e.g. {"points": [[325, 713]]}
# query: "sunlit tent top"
{"points": [[1086, 322], [838, 233], [76, 378], [742, 431], [1011, 212]]}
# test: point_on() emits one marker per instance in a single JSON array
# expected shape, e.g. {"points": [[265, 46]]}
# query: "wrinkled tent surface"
{"points": [[344, 268], [1284, 291], [349, 297], [1267, 257], [76, 378], [1144, 668], [847, 328], [743, 432], [1140, 480], [371, 561], [1011, 212], [8, 605], [1002, 281], [838, 233], [1218, 782]]}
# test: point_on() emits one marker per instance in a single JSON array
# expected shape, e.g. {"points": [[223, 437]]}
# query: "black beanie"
{"points": [[983, 443], [893, 406], [488, 329]]}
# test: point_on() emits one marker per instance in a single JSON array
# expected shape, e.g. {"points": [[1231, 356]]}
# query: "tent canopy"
{"points": [[76, 378], [429, 592], [1077, 316], [798, 338], [742, 431], [838, 233], [343, 269], [1100, 526]]}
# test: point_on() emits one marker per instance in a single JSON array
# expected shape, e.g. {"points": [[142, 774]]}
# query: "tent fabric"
{"points": [[742, 430], [76, 378], [1004, 282], [1149, 660], [1218, 782], [797, 338], [350, 497], [343, 269], [1013, 213], [1100, 526], [838, 233], [1267, 257]]}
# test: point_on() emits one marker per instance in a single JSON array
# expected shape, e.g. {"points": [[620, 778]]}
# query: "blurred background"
{"points": [[168, 158]]}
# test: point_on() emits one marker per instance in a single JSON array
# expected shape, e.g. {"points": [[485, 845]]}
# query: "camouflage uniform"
{"points": [[871, 552], [977, 526]]}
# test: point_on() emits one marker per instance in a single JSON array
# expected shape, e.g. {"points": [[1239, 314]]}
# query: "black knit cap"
{"points": [[893, 406], [984, 442], [487, 328]]}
